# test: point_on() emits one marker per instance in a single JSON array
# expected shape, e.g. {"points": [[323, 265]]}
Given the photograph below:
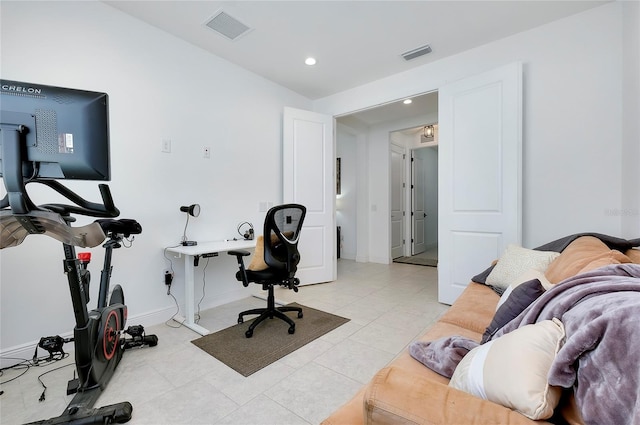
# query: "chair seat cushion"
{"points": [[260, 276]]}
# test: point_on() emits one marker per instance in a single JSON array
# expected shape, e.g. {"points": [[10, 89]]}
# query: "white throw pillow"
{"points": [[512, 370], [517, 260]]}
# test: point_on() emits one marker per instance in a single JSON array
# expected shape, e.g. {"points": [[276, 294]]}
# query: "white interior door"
{"points": [[480, 123], [418, 213], [397, 201], [309, 179]]}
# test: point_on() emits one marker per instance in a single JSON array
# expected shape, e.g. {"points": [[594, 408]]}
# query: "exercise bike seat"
{"points": [[123, 226], [13, 230]]}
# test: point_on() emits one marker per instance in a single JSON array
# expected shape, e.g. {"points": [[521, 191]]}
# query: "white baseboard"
{"points": [[15, 354], [380, 260]]}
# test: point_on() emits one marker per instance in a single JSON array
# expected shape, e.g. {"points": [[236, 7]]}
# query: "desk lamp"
{"points": [[194, 211]]}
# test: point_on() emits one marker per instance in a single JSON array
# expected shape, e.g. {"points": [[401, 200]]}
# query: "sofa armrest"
{"points": [[395, 396]]}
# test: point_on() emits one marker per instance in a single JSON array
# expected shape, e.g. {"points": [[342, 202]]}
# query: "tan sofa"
{"points": [[407, 392]]}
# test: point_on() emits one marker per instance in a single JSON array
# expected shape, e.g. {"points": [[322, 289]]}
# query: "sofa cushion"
{"points": [[515, 303], [515, 261], [633, 255], [474, 308], [512, 370], [583, 254], [395, 396]]}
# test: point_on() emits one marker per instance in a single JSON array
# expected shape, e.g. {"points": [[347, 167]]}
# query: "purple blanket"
{"points": [[600, 358], [600, 311]]}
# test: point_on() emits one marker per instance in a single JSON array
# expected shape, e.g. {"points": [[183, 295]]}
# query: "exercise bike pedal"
{"points": [[139, 339], [151, 340]]}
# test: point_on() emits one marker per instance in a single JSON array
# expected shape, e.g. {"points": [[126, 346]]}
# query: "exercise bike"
{"points": [[99, 334]]}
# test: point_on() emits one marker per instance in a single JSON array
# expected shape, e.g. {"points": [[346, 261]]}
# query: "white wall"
{"points": [[630, 211], [159, 87], [572, 136]]}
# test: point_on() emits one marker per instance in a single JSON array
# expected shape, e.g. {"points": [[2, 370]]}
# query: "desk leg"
{"points": [[189, 298]]}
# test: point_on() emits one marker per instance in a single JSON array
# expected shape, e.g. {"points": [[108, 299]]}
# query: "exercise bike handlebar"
{"points": [[83, 207], [54, 219]]}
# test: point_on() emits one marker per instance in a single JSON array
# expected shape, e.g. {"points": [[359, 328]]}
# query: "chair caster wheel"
{"points": [[299, 315], [240, 320], [292, 329], [248, 333]]}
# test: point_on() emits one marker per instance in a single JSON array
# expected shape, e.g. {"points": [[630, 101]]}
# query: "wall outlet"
{"points": [[206, 152], [166, 145]]}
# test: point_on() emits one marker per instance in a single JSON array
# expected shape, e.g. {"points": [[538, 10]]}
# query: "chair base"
{"points": [[269, 313]]}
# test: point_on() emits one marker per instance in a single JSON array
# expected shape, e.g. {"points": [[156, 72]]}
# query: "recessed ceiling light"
{"points": [[310, 61], [407, 101]]}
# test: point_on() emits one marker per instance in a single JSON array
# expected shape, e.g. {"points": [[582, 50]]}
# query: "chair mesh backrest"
{"points": [[283, 224]]}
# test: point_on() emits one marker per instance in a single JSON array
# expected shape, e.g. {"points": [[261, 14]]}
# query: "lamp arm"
{"points": [[184, 234]]}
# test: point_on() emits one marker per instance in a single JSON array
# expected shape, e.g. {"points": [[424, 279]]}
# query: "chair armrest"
{"points": [[242, 274], [239, 253]]}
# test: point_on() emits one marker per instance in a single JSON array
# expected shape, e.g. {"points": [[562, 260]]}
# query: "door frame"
{"points": [[401, 150], [415, 84]]}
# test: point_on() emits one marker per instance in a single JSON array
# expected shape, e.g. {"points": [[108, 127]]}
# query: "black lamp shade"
{"points": [[193, 210]]}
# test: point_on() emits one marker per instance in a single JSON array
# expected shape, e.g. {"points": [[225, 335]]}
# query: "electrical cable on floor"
{"points": [[24, 363], [27, 364], [42, 397]]}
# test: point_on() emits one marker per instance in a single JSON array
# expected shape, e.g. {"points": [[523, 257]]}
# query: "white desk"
{"points": [[204, 250]]}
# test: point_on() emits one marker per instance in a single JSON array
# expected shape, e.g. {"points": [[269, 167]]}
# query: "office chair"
{"points": [[275, 262]]}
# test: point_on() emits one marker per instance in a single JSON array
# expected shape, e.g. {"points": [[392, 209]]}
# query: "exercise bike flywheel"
{"points": [[110, 336]]}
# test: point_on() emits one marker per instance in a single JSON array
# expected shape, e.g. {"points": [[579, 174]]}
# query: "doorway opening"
{"points": [[367, 198], [419, 192]]}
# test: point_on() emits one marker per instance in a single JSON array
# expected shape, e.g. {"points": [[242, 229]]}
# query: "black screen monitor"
{"points": [[67, 131]]}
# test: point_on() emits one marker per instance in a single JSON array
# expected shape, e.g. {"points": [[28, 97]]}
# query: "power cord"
{"points": [[130, 240], [42, 397], [204, 283], [170, 281], [36, 361]]}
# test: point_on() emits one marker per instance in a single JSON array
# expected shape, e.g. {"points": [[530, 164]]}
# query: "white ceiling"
{"points": [[394, 111], [355, 42]]}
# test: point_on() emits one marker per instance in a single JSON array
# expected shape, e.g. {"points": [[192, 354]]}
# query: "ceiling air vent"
{"points": [[415, 53], [227, 26]]}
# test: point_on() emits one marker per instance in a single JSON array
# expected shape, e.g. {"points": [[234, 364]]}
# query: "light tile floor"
{"points": [[177, 383]]}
